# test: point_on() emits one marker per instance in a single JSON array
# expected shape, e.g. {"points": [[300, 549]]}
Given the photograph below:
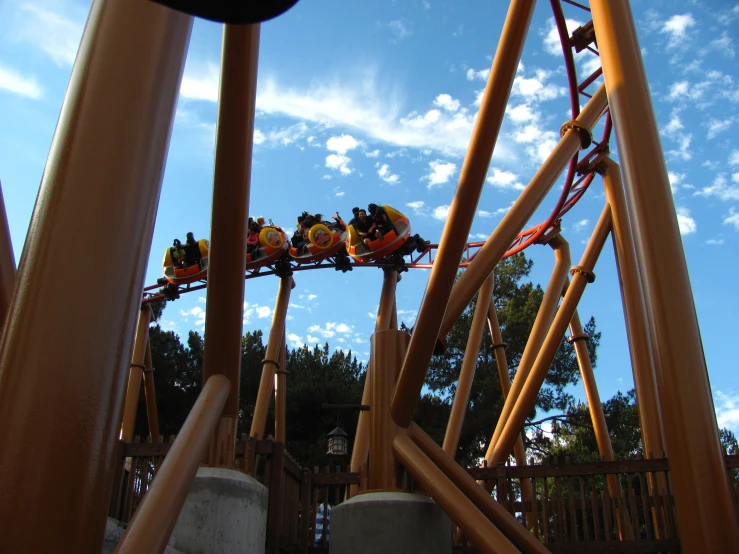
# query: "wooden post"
{"points": [[276, 483]]}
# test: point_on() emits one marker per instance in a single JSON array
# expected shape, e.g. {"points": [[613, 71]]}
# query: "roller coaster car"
{"points": [[273, 244], [378, 249], [196, 264], [323, 242]]}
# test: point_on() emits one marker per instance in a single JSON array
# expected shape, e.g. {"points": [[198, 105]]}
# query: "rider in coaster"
{"points": [[364, 225], [383, 225], [252, 239], [178, 254]]}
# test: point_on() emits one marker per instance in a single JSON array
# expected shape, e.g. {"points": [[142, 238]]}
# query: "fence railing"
{"points": [[572, 509]]}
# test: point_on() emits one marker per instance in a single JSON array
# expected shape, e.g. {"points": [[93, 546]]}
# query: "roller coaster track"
{"points": [[582, 38]]}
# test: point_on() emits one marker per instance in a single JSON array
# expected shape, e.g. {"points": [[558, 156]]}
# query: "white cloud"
{"points": [[727, 410], [56, 33], [373, 153], [734, 157], [728, 16], [479, 75], [682, 89], [682, 151], [504, 179], [675, 180], [718, 126], [387, 176], [717, 241], [335, 161], [311, 339], [440, 173], [259, 136], [197, 312], [590, 65], [399, 29], [407, 316], [721, 189], [684, 221], [552, 44], [441, 212], [674, 125], [536, 88], [325, 333], [542, 142], [341, 144], [723, 44], [295, 340], [446, 102], [200, 82], [677, 28], [340, 193], [330, 329], [580, 225], [484, 213], [521, 113], [418, 207], [732, 219], [14, 82], [365, 103], [715, 86]]}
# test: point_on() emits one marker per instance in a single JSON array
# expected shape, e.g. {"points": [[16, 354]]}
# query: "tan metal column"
{"points": [[68, 378], [151, 397], [500, 240], [474, 524], [462, 210], [577, 339], [538, 333], [522, 407], [637, 327], [151, 526], [270, 362], [231, 184], [495, 512], [467, 373], [387, 318], [388, 349], [7, 263], [505, 385], [637, 330], [703, 499], [138, 358], [281, 394], [505, 379]]}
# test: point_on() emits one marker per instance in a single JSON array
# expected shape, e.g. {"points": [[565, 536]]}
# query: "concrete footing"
{"points": [[225, 513], [390, 523]]}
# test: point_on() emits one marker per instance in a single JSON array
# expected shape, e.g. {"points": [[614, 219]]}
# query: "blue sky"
{"points": [[364, 102]]}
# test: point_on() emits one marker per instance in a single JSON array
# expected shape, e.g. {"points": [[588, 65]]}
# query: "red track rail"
{"points": [[572, 190], [423, 260]]}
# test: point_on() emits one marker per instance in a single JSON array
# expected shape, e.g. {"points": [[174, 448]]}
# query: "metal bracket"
{"points": [[586, 137], [589, 275]]}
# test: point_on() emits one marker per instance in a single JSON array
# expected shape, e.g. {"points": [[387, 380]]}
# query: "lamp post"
{"points": [[337, 442]]}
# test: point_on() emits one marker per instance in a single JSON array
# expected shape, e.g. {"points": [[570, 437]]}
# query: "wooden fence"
{"points": [[572, 511]]}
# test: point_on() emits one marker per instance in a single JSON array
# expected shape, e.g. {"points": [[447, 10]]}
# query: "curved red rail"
{"points": [[572, 191]]}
